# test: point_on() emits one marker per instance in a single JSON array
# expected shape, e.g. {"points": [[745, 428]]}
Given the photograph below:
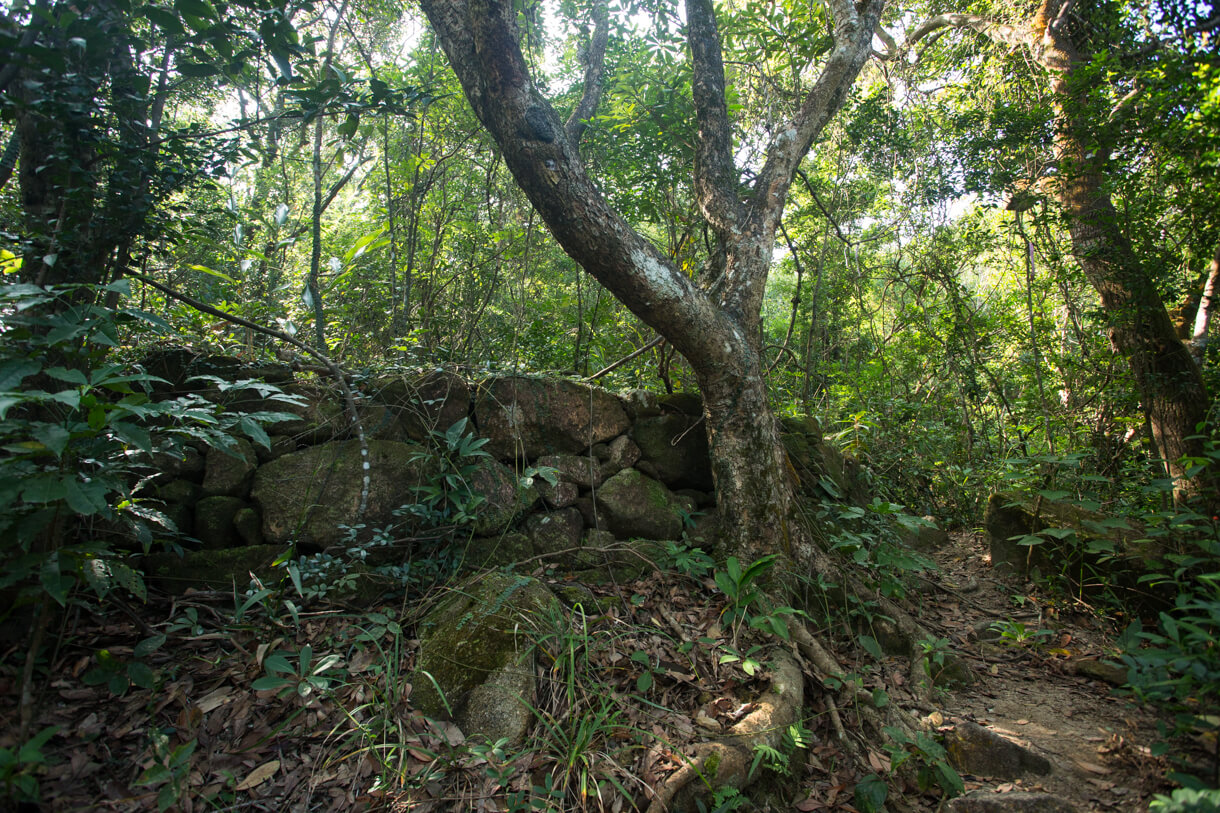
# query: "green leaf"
{"points": [[70, 376], [200, 70], [43, 488], [53, 436], [13, 372], [644, 682], [255, 432], [212, 272], [871, 646], [148, 646], [270, 682], [278, 662], [871, 793], [141, 675], [133, 435], [85, 498], [196, 8]]}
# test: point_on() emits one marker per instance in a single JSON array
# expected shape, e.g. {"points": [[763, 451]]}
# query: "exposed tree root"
{"points": [[727, 760]]}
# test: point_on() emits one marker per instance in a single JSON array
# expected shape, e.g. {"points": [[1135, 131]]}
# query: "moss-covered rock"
{"points": [[675, 446], [211, 569], [636, 505], [308, 494], [214, 526], [477, 635], [229, 470], [505, 498], [524, 418]]}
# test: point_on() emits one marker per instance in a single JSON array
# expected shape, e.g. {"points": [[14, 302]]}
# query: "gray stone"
{"points": [[305, 496], [426, 404], [623, 454], [675, 446], [211, 569], [641, 403], [249, 526], [582, 470], [524, 418], [635, 505], [505, 497], [500, 708], [181, 492], [478, 635], [555, 532], [319, 413], [214, 521], [976, 750], [229, 470]]}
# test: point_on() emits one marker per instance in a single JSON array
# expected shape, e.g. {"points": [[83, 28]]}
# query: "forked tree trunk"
{"points": [[720, 338]]}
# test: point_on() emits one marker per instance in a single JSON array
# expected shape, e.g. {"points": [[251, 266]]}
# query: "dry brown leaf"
{"points": [[215, 698], [259, 775]]}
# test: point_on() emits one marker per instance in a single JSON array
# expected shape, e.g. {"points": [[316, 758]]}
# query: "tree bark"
{"points": [[720, 338]]}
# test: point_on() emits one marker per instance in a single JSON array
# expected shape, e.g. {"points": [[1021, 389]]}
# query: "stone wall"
{"points": [[627, 467]]}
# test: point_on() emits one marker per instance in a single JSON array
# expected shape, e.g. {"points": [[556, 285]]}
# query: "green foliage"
{"points": [[301, 678], [118, 674], [1177, 665], [19, 767], [931, 760], [448, 498], [79, 431], [1186, 800], [170, 770]]}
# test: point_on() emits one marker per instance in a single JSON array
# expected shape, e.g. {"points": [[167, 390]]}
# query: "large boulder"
{"points": [[635, 505], [1047, 537], [476, 661], [523, 418], [423, 405], [505, 497], [229, 469], [308, 494], [675, 446]]}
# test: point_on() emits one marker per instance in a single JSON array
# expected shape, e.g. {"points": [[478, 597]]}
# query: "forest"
{"points": [[773, 401]]}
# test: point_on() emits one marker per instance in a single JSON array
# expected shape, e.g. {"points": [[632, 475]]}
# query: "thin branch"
{"points": [[818, 201], [634, 354]]}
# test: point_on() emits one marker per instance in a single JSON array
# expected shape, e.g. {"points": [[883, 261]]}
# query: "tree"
{"points": [[1071, 43], [716, 326]]}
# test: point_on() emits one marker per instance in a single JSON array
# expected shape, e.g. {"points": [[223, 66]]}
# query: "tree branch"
{"points": [[480, 39], [716, 177], [595, 69]]}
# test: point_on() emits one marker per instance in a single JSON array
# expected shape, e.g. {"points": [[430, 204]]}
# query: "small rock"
{"points": [[986, 801], [981, 752], [1110, 673]]}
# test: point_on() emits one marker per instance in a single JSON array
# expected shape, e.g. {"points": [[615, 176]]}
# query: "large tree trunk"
{"points": [[720, 338]]}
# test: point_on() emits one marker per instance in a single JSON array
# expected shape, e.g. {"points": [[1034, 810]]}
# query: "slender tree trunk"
{"points": [[1207, 304], [1171, 388], [1170, 385]]}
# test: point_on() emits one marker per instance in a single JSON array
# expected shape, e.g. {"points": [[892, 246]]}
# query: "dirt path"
{"points": [[1032, 689]]}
